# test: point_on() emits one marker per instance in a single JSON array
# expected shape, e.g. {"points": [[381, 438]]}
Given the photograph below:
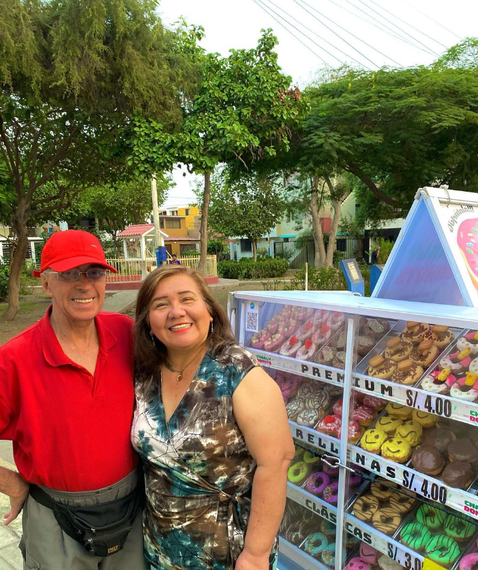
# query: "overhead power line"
{"points": [[370, 21], [427, 49], [267, 11], [434, 21], [347, 31], [315, 33], [409, 25]]}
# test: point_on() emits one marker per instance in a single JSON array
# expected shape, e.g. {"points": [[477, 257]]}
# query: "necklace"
{"points": [[180, 373]]}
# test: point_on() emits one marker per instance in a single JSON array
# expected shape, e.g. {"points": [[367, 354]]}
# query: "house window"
{"points": [[187, 211], [173, 224], [246, 245]]}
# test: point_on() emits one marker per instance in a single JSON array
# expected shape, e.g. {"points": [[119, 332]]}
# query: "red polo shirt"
{"points": [[70, 430]]}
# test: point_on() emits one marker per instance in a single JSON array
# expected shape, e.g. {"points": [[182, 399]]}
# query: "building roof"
{"points": [[136, 230]]}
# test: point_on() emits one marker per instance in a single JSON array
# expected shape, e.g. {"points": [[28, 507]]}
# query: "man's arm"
{"points": [[13, 485]]}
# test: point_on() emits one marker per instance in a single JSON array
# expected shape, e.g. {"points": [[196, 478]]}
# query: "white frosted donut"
{"points": [[446, 362], [474, 366], [469, 395], [468, 341], [429, 385]]}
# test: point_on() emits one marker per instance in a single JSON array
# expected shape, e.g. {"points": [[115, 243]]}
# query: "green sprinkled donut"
{"points": [[431, 517], [443, 550], [298, 472], [416, 536]]}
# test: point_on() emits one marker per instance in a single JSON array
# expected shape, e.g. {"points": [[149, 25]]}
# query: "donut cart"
{"points": [[399, 486]]}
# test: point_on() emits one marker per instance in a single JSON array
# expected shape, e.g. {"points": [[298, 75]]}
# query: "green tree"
{"points": [[249, 207], [396, 131], [242, 113], [72, 74]]}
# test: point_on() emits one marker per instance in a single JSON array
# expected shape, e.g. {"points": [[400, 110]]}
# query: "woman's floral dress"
{"points": [[198, 470]]}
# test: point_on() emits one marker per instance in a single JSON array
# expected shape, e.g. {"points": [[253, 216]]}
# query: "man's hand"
{"points": [[16, 504]]}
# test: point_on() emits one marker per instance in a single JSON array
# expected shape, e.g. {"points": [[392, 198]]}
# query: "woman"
{"points": [[212, 430]]}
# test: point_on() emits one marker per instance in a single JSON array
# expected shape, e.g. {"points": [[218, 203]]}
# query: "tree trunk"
{"points": [[320, 255], [337, 206], [16, 267], [204, 214], [254, 250]]}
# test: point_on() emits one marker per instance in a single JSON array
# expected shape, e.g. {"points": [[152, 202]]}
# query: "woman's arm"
{"points": [[260, 413], [13, 485]]}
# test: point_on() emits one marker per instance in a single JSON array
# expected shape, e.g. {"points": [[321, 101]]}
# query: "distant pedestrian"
{"points": [[66, 402], [375, 254], [174, 260]]}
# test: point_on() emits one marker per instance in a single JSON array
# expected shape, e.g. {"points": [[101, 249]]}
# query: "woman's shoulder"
{"points": [[235, 356]]}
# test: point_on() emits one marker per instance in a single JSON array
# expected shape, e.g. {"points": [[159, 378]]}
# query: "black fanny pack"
{"points": [[102, 529]]}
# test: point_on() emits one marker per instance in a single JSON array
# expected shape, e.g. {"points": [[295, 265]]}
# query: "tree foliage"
{"points": [[243, 112], [250, 206], [396, 131], [72, 75]]}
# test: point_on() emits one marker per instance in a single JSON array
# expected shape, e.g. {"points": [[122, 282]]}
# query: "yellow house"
{"points": [[191, 215]]}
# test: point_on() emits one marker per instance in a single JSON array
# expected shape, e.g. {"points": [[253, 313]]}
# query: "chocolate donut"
{"points": [[428, 460], [458, 474], [462, 450], [438, 437]]}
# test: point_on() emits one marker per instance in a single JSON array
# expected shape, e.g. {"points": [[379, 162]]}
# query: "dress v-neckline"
{"points": [[160, 394]]}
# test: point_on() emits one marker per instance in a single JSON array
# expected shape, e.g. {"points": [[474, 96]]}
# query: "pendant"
{"points": [[179, 377]]}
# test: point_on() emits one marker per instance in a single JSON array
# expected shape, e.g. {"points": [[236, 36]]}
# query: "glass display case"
{"points": [[399, 485]]}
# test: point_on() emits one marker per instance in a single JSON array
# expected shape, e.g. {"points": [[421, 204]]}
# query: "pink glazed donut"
{"points": [[357, 564], [469, 562], [368, 553]]}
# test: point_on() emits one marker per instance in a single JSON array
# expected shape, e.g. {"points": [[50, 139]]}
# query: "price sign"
{"points": [[404, 558], [430, 403], [424, 487]]}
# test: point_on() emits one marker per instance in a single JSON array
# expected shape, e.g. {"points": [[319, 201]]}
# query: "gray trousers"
{"points": [[46, 547]]}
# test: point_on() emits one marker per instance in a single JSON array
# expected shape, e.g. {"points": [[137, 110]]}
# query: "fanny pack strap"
{"points": [[41, 497]]}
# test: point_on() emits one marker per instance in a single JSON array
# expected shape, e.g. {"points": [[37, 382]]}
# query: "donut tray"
{"points": [[464, 546], [472, 488], [396, 331], [333, 341], [450, 349], [383, 504]]}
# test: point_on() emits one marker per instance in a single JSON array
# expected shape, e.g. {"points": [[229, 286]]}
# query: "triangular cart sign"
{"points": [[435, 257]]}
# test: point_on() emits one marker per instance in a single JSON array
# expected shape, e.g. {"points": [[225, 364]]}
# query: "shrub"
{"points": [[247, 268], [4, 273], [323, 279]]}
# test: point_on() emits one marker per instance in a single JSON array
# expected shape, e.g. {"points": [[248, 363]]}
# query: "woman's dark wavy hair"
{"points": [[149, 358]]}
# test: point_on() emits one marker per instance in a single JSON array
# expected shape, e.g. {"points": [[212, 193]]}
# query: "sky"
{"points": [[316, 34]]}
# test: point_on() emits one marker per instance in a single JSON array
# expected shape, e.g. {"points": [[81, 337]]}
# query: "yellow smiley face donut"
{"points": [[399, 411], [373, 439], [424, 418], [388, 424], [397, 450], [410, 431]]}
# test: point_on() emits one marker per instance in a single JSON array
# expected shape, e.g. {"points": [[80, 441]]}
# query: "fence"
{"points": [[347, 246], [137, 269]]}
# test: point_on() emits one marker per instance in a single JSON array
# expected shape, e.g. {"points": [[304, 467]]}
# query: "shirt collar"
{"points": [[52, 350]]}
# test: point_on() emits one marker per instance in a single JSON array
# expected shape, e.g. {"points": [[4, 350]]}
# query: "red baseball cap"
{"points": [[72, 248]]}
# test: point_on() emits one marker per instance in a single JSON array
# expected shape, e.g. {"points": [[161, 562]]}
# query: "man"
{"points": [[66, 402], [375, 254], [174, 260]]}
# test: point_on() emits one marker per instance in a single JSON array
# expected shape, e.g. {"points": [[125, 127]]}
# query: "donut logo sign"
{"points": [[467, 240]]}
